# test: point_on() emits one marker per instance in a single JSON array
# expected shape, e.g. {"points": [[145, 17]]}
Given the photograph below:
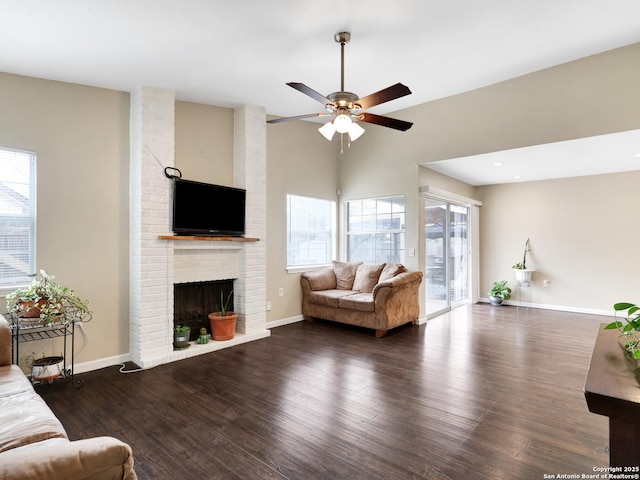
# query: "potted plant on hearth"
{"points": [[499, 292], [523, 274], [223, 323], [181, 334], [45, 302]]}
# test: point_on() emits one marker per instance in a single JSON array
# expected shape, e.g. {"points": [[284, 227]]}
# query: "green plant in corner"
{"points": [[182, 328], [628, 328], [523, 265], [500, 289]]}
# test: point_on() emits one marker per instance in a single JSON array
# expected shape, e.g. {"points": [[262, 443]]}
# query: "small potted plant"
{"points": [[629, 328], [46, 302], [181, 334], [223, 323], [499, 292], [523, 274]]}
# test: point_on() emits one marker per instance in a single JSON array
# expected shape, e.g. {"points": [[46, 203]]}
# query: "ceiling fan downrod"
{"points": [[342, 38]]}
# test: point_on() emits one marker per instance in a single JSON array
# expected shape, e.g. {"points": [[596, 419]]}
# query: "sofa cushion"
{"points": [[13, 381], [345, 274], [367, 276], [362, 302], [391, 270], [323, 279], [25, 418], [329, 298]]}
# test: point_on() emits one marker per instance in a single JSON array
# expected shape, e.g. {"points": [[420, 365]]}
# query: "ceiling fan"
{"points": [[346, 108]]}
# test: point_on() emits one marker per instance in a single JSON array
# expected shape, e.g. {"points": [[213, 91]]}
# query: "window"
{"points": [[17, 216], [310, 231], [375, 230]]}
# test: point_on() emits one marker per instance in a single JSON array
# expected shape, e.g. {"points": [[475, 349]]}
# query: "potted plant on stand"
{"points": [[223, 323], [45, 302], [499, 292], [523, 274]]}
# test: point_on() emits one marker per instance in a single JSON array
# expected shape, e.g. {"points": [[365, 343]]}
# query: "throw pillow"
{"points": [[366, 277], [391, 270], [345, 274]]}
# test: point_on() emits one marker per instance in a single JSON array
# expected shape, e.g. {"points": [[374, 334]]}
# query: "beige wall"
{"points": [[81, 138], [590, 96], [299, 161], [583, 233]]}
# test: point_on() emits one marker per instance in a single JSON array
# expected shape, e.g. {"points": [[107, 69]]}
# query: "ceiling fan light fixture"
{"points": [[327, 130], [342, 123], [355, 131]]}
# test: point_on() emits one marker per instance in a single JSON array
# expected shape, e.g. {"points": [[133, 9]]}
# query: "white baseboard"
{"points": [[101, 363], [284, 321], [560, 308]]}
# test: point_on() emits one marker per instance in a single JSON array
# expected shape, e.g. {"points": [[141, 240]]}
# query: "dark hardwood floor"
{"points": [[480, 393]]}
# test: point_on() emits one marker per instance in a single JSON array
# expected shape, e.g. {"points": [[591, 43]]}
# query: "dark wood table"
{"points": [[612, 388]]}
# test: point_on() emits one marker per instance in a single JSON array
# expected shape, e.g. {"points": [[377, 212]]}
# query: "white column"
{"points": [[151, 260], [250, 172]]}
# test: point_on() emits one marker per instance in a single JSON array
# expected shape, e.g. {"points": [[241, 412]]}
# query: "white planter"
{"points": [[46, 369], [523, 275]]}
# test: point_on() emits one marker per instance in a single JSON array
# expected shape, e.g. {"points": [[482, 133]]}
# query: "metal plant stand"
{"points": [[22, 332]]}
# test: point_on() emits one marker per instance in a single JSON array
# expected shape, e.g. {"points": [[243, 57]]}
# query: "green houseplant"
{"points": [[629, 327], [499, 292], [523, 265], [523, 274], [46, 302], [181, 334], [223, 323]]}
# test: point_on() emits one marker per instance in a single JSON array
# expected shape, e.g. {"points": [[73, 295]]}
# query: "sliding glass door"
{"points": [[447, 251]]}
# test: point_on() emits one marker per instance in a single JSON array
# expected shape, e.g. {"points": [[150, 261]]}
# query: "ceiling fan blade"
{"points": [[385, 121], [318, 97], [297, 117], [390, 93]]}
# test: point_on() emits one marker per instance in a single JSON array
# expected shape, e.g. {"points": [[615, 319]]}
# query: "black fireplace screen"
{"points": [[194, 301]]}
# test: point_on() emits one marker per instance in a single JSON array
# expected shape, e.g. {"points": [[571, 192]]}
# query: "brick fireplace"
{"points": [[157, 264]]}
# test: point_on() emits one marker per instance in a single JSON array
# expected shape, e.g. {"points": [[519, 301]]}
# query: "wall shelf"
{"points": [[190, 238]]}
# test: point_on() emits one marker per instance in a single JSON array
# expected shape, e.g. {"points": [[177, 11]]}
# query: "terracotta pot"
{"points": [[31, 309], [223, 328]]}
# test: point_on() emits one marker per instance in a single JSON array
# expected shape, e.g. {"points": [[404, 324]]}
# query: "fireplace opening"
{"points": [[194, 301]]}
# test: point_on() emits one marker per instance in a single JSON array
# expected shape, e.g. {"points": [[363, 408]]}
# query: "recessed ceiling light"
{"points": [[498, 164], [637, 155], [517, 176]]}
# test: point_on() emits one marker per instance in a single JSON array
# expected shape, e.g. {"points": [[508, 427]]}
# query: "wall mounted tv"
{"points": [[206, 209]]}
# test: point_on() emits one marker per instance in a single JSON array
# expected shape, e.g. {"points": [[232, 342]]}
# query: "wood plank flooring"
{"points": [[480, 393]]}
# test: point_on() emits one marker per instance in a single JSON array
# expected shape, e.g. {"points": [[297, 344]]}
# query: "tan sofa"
{"points": [[33, 443], [380, 297]]}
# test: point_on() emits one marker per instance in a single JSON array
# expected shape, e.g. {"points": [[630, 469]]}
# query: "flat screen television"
{"points": [[206, 209]]}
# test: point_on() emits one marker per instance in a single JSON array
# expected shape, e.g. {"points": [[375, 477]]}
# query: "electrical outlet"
{"points": [[268, 306], [281, 292]]}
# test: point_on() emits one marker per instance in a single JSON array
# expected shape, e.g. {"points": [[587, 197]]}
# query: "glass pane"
{"points": [[435, 256], [17, 216], [459, 253], [309, 231], [368, 225]]}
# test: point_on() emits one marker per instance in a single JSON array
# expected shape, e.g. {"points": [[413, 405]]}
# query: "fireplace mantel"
{"points": [[191, 238]]}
